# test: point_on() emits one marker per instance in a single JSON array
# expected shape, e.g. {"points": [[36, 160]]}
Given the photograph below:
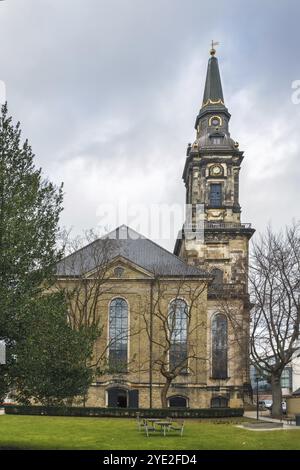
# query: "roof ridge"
{"points": [[163, 248], [195, 270]]}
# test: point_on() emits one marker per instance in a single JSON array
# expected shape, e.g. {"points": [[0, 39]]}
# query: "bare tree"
{"points": [[275, 317], [86, 276], [235, 307], [266, 332], [172, 328]]}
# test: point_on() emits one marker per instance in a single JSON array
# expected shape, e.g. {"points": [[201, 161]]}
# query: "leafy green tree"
{"points": [[50, 366], [29, 213]]}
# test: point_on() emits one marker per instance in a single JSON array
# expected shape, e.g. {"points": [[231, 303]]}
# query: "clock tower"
{"points": [[211, 176]]}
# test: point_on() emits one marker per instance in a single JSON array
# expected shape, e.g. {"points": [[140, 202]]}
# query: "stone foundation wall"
{"points": [[198, 397]]}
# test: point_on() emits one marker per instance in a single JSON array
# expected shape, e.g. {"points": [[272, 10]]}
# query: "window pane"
{"points": [[219, 347], [118, 335], [219, 402], [216, 140], [215, 195], [178, 318], [286, 378], [179, 402], [218, 277]]}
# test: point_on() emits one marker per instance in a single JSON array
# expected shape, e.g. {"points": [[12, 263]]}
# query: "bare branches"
{"points": [[275, 287], [85, 275], [274, 279], [175, 313]]}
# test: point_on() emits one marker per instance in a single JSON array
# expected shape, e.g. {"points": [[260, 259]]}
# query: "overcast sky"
{"points": [[107, 92]]}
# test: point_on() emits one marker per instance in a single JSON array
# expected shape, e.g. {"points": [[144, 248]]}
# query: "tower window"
{"points": [[218, 277], [216, 140], [215, 197]]}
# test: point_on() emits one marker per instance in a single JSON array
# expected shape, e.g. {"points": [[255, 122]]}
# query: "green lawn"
{"points": [[38, 432]]}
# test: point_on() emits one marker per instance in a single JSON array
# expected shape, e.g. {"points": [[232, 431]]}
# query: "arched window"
{"points": [[177, 402], [219, 402], [178, 324], [218, 276], [118, 335], [219, 346]]}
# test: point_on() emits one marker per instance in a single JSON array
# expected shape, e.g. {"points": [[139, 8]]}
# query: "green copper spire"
{"points": [[213, 93], [213, 99]]}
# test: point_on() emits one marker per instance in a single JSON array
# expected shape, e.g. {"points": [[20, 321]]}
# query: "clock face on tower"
{"points": [[216, 170], [215, 121]]}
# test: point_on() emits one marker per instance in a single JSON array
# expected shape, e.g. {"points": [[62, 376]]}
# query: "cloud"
{"points": [[108, 90]]}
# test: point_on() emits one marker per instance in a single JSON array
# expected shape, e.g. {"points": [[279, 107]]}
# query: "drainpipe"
{"points": [[151, 346]]}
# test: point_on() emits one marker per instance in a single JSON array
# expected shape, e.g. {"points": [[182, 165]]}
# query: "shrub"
{"points": [[125, 412]]}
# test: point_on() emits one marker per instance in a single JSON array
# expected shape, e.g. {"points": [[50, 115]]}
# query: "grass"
{"points": [[43, 432]]}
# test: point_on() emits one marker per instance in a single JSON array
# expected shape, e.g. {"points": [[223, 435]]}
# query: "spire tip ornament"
{"points": [[213, 50]]}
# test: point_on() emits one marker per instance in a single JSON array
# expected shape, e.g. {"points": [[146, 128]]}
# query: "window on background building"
{"points": [[286, 378], [178, 324], [215, 196], [118, 335], [219, 346]]}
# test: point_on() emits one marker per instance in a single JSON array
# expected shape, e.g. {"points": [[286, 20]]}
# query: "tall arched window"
{"points": [[178, 325], [219, 346], [118, 335]]}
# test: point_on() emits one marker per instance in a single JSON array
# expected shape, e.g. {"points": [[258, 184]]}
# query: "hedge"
{"points": [[124, 412]]}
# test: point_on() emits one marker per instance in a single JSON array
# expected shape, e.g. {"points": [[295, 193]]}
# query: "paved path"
{"points": [[252, 414]]}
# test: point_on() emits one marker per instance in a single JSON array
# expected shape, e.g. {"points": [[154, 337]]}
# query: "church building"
{"points": [[174, 326]]}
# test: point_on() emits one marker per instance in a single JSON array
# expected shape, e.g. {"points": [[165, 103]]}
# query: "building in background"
{"points": [[264, 386], [290, 379]]}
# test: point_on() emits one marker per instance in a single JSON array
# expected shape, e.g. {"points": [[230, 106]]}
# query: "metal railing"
{"points": [[225, 225], [231, 290], [204, 224]]}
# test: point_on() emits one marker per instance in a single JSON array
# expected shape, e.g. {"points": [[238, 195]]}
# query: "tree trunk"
{"points": [[276, 396], [164, 392]]}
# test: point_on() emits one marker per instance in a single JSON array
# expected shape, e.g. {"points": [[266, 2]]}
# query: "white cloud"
{"points": [[108, 91]]}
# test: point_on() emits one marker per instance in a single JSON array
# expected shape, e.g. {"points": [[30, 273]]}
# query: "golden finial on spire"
{"points": [[213, 50]]}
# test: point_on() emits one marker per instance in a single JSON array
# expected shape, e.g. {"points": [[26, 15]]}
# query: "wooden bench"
{"points": [[177, 425], [290, 419]]}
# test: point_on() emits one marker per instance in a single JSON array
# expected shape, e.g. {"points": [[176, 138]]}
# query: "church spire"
{"points": [[213, 98], [213, 93]]}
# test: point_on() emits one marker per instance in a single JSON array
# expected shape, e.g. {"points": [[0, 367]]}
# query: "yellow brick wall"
{"points": [[135, 287]]}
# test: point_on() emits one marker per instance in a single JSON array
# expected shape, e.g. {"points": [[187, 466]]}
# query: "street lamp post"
{"points": [[257, 403]]}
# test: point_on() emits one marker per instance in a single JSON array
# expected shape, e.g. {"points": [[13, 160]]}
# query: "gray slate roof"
{"points": [[133, 246]]}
